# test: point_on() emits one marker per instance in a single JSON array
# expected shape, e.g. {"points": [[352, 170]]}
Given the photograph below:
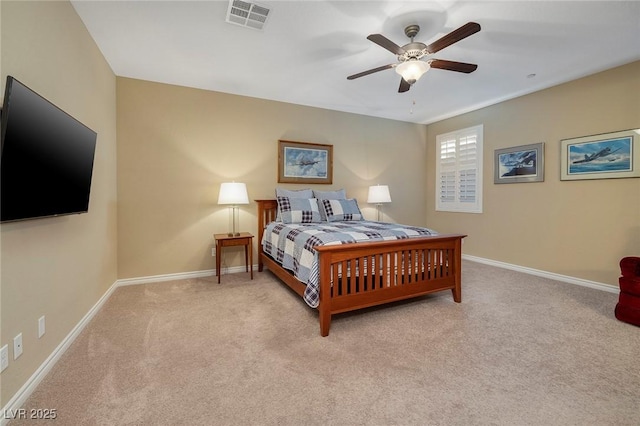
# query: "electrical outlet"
{"points": [[4, 357], [213, 252], [17, 346], [41, 327]]}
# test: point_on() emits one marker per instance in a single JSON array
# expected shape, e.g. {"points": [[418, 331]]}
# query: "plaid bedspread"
{"points": [[293, 245]]}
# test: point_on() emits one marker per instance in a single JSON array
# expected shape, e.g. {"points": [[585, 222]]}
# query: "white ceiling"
{"points": [[308, 48]]}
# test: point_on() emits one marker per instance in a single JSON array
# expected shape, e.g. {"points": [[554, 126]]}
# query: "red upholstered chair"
{"points": [[628, 307]]}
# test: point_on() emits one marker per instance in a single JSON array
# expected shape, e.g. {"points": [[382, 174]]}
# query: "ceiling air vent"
{"points": [[247, 14]]}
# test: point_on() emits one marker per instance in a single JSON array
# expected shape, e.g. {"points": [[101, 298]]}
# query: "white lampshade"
{"points": [[412, 70], [379, 194], [233, 193]]}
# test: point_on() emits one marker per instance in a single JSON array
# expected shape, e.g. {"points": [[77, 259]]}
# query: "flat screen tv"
{"points": [[47, 158]]}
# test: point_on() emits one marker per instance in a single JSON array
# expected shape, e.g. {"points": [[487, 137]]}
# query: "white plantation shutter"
{"points": [[459, 171], [448, 187]]}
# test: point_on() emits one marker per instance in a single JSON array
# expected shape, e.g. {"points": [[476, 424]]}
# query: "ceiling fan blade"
{"points": [[453, 66], [404, 86], [454, 36], [382, 41], [371, 71]]}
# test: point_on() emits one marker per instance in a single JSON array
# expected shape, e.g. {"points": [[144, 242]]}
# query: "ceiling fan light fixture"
{"points": [[412, 70]]}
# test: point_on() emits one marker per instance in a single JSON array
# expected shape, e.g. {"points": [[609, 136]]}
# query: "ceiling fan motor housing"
{"points": [[413, 50]]}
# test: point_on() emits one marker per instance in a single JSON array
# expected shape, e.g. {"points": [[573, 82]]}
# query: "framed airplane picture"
{"points": [[303, 162], [603, 156], [519, 164]]}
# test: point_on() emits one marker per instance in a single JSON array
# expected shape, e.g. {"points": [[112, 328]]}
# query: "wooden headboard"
{"points": [[267, 212]]}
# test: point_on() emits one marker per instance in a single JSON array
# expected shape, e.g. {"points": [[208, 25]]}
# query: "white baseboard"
{"points": [[544, 274], [180, 276], [166, 277], [30, 385]]}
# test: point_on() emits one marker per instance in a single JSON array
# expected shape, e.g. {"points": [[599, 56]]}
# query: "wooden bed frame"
{"points": [[432, 264]]}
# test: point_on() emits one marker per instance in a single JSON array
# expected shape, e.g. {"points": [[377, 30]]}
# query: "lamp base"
{"points": [[233, 213]]}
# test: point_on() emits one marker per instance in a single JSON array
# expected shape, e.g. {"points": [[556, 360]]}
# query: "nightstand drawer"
{"points": [[236, 242]]}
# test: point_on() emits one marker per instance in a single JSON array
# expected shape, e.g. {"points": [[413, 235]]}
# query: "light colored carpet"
{"points": [[519, 350]]}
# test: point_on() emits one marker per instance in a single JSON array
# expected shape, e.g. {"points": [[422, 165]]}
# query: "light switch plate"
{"points": [[17, 346]]}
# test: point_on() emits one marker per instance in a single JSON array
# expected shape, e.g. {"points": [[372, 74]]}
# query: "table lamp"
{"points": [[378, 195], [233, 194]]}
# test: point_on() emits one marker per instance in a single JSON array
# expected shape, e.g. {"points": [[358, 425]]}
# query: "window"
{"points": [[459, 171]]}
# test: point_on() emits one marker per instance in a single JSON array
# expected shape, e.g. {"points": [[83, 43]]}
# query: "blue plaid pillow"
{"points": [[341, 210], [295, 193], [340, 194], [298, 210]]}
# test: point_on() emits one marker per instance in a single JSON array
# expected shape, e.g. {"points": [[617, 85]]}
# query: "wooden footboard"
{"points": [[356, 276], [386, 271]]}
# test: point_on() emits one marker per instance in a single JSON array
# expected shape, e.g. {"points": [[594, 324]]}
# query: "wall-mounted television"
{"points": [[47, 158]]}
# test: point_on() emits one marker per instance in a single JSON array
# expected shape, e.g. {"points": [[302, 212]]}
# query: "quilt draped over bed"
{"points": [[293, 245]]}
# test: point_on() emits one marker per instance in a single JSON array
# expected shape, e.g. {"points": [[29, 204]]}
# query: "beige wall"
{"points": [[57, 267], [577, 228], [176, 145]]}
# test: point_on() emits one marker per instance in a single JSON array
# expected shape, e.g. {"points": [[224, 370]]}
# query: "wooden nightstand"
{"points": [[244, 239]]}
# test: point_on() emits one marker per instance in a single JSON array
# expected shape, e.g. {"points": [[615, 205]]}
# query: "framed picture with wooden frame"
{"points": [[602, 156], [304, 162]]}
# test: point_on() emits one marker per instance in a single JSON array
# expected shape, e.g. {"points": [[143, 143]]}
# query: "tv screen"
{"points": [[47, 158]]}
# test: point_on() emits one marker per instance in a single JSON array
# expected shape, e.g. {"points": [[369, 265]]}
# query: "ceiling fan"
{"points": [[411, 65]]}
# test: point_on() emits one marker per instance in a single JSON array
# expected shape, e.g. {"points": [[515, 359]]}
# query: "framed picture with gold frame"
{"points": [[303, 162]]}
